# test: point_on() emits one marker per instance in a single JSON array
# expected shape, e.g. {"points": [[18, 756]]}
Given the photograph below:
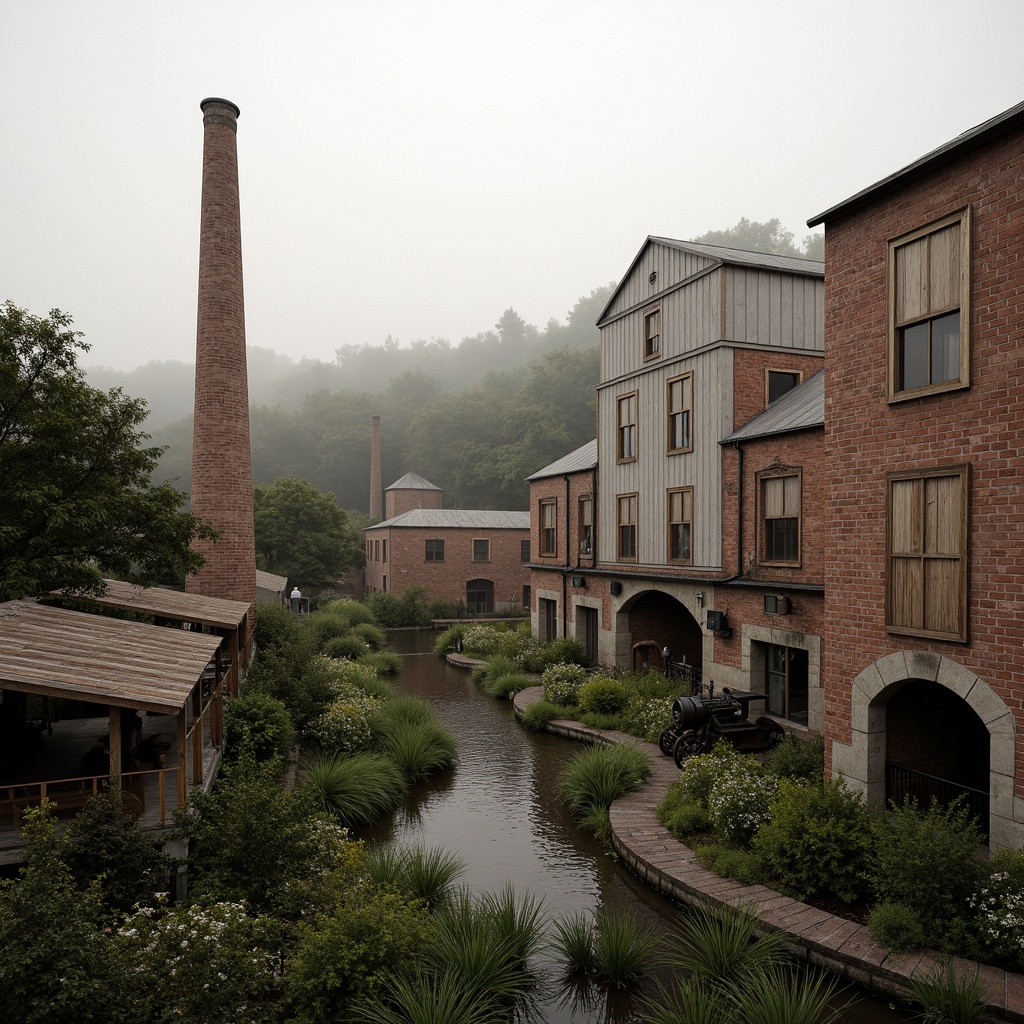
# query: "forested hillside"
{"points": [[474, 418]]}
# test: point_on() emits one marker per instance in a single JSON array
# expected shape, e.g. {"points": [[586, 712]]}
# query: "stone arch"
{"points": [[863, 761], [651, 620]]}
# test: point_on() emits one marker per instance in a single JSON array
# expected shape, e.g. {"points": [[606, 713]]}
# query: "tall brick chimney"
{"points": [[376, 500], [221, 463]]}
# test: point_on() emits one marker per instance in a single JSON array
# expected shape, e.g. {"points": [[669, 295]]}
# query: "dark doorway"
{"points": [[587, 631], [480, 596]]}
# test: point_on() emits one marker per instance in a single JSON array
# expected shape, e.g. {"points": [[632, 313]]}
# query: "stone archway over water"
{"points": [[863, 761]]}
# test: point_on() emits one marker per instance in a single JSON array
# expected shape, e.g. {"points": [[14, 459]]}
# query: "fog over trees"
{"points": [[474, 418]]}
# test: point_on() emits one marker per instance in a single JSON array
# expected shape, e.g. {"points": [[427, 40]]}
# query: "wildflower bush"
{"points": [[998, 908], [344, 727], [739, 801], [481, 641], [210, 961], [562, 683], [646, 717]]}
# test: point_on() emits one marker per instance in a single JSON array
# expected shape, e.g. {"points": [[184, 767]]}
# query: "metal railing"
{"points": [[902, 782]]}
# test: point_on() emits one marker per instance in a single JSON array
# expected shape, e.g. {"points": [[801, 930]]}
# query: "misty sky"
{"points": [[413, 168]]}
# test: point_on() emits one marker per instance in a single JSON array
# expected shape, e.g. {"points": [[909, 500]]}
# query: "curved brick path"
{"points": [[823, 939]]}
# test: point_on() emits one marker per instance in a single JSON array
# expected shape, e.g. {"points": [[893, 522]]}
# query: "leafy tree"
{"points": [[302, 534], [770, 236], [75, 477]]}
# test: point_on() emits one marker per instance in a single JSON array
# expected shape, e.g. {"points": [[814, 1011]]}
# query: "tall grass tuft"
{"points": [[720, 944], [506, 685], [574, 940], [357, 790], [430, 998], [687, 1002], [387, 663], [517, 917], [495, 665], [419, 748], [622, 947], [470, 945], [778, 996], [594, 778], [428, 874], [949, 997]]}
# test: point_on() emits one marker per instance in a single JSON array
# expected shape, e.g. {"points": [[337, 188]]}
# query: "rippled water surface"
{"points": [[498, 811]]}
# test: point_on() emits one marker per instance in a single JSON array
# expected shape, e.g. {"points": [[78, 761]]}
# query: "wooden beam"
{"points": [[115, 748]]}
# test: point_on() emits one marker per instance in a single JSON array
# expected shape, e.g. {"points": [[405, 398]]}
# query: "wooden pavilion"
{"points": [[160, 682]]}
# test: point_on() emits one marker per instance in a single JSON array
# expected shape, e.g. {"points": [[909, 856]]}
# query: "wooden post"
{"points": [[182, 758], [115, 748]]}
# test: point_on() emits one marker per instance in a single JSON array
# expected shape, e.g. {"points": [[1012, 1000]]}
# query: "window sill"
{"points": [[895, 397]]}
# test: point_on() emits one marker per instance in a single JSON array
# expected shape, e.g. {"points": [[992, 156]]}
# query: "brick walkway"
{"points": [[821, 938]]}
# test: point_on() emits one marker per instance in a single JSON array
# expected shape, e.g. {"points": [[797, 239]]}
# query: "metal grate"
{"points": [[901, 782]]}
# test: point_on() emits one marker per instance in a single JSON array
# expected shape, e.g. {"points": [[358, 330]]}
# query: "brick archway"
{"points": [[862, 761]]}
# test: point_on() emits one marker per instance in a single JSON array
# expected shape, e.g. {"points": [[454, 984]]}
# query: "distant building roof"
{"points": [[458, 519], [722, 254], [1002, 123], [585, 457], [800, 409], [412, 482], [270, 581]]}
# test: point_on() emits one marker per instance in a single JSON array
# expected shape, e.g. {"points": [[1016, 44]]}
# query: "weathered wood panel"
{"points": [[774, 309]]}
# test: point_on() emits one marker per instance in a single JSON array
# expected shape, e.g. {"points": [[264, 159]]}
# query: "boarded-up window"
{"points": [[548, 533], [626, 504], [652, 333], [929, 293], [780, 501], [680, 401], [927, 553], [680, 525], [627, 427]]}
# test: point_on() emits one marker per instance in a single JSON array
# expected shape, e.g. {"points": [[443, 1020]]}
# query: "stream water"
{"points": [[498, 810]]}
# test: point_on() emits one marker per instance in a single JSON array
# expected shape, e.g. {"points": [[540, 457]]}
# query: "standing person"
{"points": [[296, 596]]}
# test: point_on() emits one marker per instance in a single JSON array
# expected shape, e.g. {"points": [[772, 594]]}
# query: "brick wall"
{"points": [[750, 368], [982, 426]]}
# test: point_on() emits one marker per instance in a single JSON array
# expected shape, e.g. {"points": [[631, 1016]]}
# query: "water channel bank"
{"points": [[821, 938]]}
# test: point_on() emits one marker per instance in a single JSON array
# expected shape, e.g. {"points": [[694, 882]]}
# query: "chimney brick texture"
{"points": [[221, 462]]}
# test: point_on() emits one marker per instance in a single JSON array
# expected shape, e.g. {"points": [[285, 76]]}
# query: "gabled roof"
{"points": [[720, 255], [412, 482], [94, 658], [271, 581], [973, 138], [585, 457], [458, 519], [803, 408]]}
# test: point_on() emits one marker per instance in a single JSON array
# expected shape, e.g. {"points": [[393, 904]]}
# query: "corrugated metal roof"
{"points": [[459, 519], [412, 482], [171, 604], [585, 457], [799, 409], [101, 660], [966, 141]]}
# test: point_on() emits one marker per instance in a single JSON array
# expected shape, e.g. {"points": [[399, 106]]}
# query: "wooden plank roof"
{"points": [[60, 653], [172, 604]]}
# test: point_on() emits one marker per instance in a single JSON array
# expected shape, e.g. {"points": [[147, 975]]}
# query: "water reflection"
{"points": [[498, 811]]}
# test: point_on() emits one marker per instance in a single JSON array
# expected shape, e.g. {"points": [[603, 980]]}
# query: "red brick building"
{"points": [[475, 556], [693, 523], [924, 664]]}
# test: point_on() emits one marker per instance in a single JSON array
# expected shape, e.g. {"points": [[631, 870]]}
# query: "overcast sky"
{"points": [[413, 168]]}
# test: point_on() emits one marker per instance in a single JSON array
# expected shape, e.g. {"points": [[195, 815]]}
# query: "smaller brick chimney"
{"points": [[376, 493]]}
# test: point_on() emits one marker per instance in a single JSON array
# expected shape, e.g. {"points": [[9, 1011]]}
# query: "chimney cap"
{"points": [[217, 99]]}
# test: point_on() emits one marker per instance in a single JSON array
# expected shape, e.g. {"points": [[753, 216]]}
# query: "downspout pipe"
{"points": [[568, 562], [739, 508]]}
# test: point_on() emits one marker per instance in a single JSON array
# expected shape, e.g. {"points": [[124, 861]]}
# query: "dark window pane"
{"points": [[914, 357], [946, 348], [782, 540]]}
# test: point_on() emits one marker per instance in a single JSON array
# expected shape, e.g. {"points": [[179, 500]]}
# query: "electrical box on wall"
{"points": [[578, 581], [717, 622], [776, 604]]}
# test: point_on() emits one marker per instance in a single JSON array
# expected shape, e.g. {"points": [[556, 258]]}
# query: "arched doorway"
{"points": [[935, 747], [656, 621], [480, 596]]}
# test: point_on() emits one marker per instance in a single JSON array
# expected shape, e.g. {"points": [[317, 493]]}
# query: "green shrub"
{"points": [[795, 758], [449, 638], [647, 716], [260, 723], [927, 861], [357, 790], [388, 611], [537, 715], [445, 608], [352, 612], [562, 683], [564, 650], [344, 727], [730, 862], [327, 625], [374, 637], [817, 839], [736, 790], [603, 696], [480, 640], [896, 926], [700, 774], [686, 819], [385, 663], [594, 778], [599, 720], [350, 646]]}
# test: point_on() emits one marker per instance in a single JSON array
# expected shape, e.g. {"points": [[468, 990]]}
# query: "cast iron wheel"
{"points": [[688, 745], [667, 740]]}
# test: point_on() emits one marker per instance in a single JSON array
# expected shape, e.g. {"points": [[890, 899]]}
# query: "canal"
{"points": [[498, 810]]}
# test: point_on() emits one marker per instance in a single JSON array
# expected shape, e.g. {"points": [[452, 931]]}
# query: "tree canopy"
{"points": [[770, 236], [302, 534], [75, 473]]}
